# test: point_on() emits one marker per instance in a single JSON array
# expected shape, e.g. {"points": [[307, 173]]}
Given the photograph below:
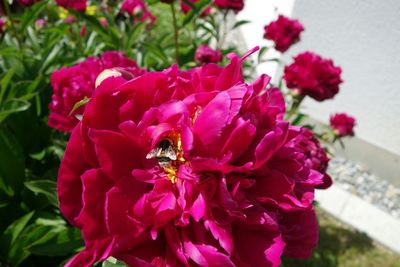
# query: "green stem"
{"points": [[295, 106], [176, 33]]}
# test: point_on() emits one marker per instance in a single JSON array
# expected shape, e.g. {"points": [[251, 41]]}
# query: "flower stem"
{"points": [[176, 33], [295, 106]]}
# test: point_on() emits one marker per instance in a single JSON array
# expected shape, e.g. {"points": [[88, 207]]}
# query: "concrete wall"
{"points": [[363, 37]]}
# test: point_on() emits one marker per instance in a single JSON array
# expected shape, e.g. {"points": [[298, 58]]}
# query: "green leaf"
{"points": [[240, 23], [65, 242], [14, 230], [29, 17], [262, 52], [5, 82], [79, 104], [13, 106], [45, 187], [113, 262], [196, 9], [12, 163]]}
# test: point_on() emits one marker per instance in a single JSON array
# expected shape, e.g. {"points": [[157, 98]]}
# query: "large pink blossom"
{"points": [[283, 32], [236, 192], [311, 75], [138, 9], [73, 84], [343, 124]]}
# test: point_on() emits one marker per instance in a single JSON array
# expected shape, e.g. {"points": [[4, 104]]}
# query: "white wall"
{"points": [[363, 37]]}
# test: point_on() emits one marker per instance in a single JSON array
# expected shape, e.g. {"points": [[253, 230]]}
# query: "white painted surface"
{"points": [[363, 37], [361, 215]]}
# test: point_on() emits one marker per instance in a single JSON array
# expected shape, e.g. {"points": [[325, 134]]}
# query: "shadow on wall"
{"points": [[344, 247]]}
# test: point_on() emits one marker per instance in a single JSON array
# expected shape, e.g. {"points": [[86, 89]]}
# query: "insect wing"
{"points": [[152, 153], [170, 153]]}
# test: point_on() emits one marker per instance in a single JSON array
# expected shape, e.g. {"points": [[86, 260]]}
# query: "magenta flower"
{"points": [[313, 76], [39, 23], [283, 32], [184, 168], [71, 85], [138, 9], [78, 5], [2, 24], [205, 54], [343, 124], [315, 156], [235, 5]]}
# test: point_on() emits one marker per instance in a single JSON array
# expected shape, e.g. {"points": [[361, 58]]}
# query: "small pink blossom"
{"points": [[284, 32], [235, 5], [138, 9], [313, 76], [73, 84], [343, 124], [205, 54]]}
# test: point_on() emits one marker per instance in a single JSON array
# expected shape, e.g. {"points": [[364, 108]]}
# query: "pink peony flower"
{"points": [[205, 54], [284, 32], [78, 5], [72, 84], [235, 5], [40, 23], [313, 76], [70, 19], [343, 124], [138, 8], [184, 168], [315, 156], [3, 24], [186, 8]]}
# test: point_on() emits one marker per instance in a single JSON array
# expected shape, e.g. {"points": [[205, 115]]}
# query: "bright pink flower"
{"points": [[2, 24], [70, 19], [78, 5], [315, 156], [72, 84], [186, 8], [343, 124], [235, 5], [205, 54], [184, 168], [284, 32], [103, 22], [313, 76], [40, 23], [138, 9]]}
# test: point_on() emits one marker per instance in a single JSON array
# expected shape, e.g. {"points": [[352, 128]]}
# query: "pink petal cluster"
{"points": [[205, 54], [78, 5], [311, 75], [283, 32], [186, 8], [343, 124], [235, 5], [72, 84], [239, 192], [315, 156], [138, 8], [2, 24]]}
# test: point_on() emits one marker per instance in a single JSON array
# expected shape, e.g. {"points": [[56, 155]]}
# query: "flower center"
{"points": [[169, 155]]}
